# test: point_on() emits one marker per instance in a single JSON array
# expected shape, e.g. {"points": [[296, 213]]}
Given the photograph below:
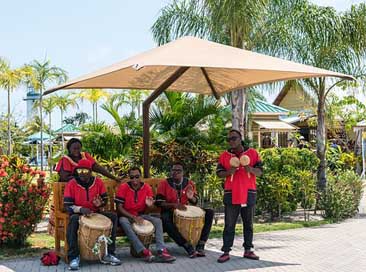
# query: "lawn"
{"points": [[38, 243]]}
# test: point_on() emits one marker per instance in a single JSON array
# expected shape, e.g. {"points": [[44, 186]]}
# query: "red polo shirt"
{"points": [[69, 165], [133, 201], [78, 195], [241, 182], [169, 192]]}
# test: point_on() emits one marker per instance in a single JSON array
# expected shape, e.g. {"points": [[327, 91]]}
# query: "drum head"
{"points": [[146, 228], [234, 162], [192, 211], [96, 221], [244, 160]]}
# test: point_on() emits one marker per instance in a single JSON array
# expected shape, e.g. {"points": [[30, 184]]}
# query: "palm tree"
{"points": [[233, 22], [63, 102], [42, 74], [11, 79], [323, 38], [182, 115], [48, 105], [93, 96]]}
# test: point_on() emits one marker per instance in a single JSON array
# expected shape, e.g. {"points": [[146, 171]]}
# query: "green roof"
{"points": [[67, 128], [261, 106]]}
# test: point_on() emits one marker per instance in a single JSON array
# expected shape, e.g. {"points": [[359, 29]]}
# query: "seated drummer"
{"points": [[132, 199], [83, 195], [174, 193]]}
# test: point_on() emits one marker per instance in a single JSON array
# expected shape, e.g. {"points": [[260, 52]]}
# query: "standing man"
{"points": [[174, 193], [239, 193], [132, 199]]}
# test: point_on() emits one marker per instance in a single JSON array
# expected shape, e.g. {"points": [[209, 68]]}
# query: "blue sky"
{"points": [[80, 36]]}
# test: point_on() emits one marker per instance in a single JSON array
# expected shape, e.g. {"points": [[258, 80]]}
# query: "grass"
{"points": [[38, 243]]}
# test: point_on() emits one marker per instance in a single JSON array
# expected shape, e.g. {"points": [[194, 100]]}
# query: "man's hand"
{"points": [[85, 211], [97, 201], [149, 201], [231, 171], [138, 220], [180, 206], [190, 192]]}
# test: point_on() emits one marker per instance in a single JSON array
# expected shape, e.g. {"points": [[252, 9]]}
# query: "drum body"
{"points": [[145, 233], [90, 228], [190, 223]]}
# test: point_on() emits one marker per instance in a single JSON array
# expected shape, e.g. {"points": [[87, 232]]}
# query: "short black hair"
{"points": [[71, 142], [134, 168], [235, 130], [177, 163]]}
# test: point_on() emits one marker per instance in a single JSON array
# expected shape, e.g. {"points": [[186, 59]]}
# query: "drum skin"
{"points": [[190, 223], [90, 228]]}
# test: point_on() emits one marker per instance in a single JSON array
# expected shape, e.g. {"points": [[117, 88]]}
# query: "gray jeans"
{"points": [[135, 241]]}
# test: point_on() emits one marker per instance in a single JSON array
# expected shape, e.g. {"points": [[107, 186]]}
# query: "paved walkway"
{"points": [[335, 248]]}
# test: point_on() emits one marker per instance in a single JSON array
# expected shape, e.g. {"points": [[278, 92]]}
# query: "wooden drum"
{"points": [[145, 233], [190, 223], [90, 228]]}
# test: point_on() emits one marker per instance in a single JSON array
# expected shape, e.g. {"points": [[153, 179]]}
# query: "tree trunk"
{"points": [[50, 154], [245, 114], [321, 139], [96, 112], [41, 120], [9, 131], [62, 131], [93, 113], [237, 102]]}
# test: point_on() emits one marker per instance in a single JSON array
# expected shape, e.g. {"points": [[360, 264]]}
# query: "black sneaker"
{"points": [[190, 250], [200, 249]]}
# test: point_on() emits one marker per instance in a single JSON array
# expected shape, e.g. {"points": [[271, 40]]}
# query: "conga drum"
{"points": [[190, 223], [145, 233], [90, 229]]}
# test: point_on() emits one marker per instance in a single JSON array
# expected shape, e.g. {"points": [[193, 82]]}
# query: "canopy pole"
{"points": [[145, 116]]}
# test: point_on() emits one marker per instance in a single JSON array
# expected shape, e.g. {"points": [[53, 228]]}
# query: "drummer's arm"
{"points": [[162, 203], [125, 213]]}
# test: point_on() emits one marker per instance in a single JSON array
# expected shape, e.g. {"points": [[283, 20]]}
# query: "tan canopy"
{"points": [[213, 68], [192, 65]]}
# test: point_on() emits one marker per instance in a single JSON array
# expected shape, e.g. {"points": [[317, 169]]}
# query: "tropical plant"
{"points": [[184, 116], [63, 102], [93, 96], [42, 74], [49, 104], [236, 23], [321, 37], [10, 79], [80, 118], [342, 195], [22, 200]]}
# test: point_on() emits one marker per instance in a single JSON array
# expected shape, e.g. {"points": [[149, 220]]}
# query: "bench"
{"points": [[62, 217]]}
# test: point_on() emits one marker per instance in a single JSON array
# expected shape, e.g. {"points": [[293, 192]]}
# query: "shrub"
{"points": [[342, 195], [23, 196], [288, 180]]}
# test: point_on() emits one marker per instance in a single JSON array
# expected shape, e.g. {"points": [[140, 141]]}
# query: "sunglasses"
{"points": [[82, 171], [177, 170], [135, 177], [232, 138]]}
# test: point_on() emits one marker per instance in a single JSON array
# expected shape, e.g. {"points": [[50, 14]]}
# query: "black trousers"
{"points": [[170, 228], [72, 234], [231, 216]]}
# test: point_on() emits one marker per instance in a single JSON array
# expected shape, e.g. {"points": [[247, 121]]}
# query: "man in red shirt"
{"points": [[174, 193], [239, 193], [83, 195], [132, 199]]}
